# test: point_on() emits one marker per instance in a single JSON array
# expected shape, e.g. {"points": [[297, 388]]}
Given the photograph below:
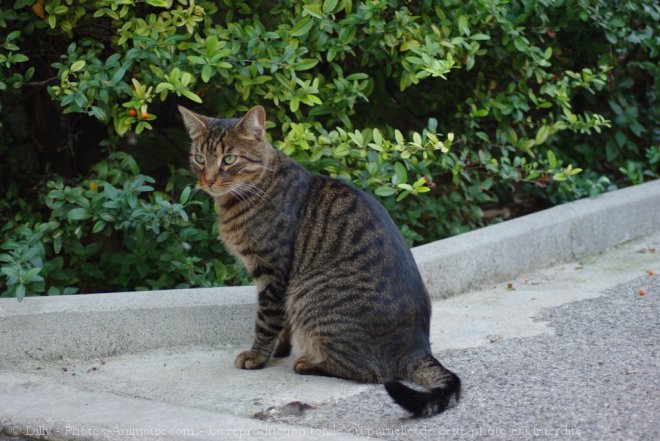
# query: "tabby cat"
{"points": [[331, 268]]}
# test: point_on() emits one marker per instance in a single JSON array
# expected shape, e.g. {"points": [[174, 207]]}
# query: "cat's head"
{"points": [[227, 155]]}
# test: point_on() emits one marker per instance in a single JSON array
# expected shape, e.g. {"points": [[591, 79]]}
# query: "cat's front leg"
{"points": [[283, 347], [270, 323]]}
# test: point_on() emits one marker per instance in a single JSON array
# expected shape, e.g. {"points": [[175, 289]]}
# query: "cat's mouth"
{"points": [[215, 191]]}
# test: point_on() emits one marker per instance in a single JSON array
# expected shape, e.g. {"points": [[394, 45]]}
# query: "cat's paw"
{"points": [[250, 360], [304, 366]]}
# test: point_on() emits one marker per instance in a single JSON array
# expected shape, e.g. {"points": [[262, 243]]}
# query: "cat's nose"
{"points": [[208, 181]]}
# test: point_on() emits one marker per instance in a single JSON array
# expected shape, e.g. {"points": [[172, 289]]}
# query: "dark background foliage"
{"points": [[455, 114]]}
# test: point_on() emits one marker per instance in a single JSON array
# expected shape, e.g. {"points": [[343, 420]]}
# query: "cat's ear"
{"points": [[253, 123], [197, 125]]}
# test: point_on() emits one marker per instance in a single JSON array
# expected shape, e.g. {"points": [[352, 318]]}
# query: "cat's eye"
{"points": [[229, 159], [200, 159]]}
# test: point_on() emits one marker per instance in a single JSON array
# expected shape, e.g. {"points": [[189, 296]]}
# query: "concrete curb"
{"points": [[563, 233], [103, 325]]}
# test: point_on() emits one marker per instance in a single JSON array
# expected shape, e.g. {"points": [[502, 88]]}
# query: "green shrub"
{"points": [[113, 231], [443, 109]]}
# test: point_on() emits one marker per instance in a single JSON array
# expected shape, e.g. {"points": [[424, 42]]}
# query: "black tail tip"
{"points": [[423, 404]]}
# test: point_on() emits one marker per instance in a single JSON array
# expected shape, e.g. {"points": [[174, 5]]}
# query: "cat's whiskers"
{"points": [[253, 192], [253, 189], [237, 192]]}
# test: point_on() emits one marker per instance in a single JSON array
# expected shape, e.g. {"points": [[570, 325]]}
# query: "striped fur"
{"points": [[333, 272]]}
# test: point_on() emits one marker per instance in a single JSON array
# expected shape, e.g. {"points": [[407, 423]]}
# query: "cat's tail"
{"points": [[444, 388]]}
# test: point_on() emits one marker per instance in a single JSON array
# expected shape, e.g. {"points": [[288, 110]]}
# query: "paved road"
{"points": [[596, 378]]}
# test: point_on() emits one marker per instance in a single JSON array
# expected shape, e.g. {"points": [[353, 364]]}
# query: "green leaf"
{"points": [[385, 191], [21, 4], [403, 195], [302, 27], [469, 64], [19, 58], [207, 72], [348, 6], [196, 59], [378, 138], [463, 25], [313, 10], [78, 65], [357, 138], [621, 138], [158, 3], [78, 214], [294, 104], [306, 64], [357, 76], [57, 244], [408, 44], [185, 195], [112, 60], [191, 96], [331, 54], [20, 292], [164, 86], [542, 135], [615, 107], [329, 6], [80, 100], [312, 99], [480, 37], [118, 75], [10, 271], [552, 159], [98, 226], [398, 137], [220, 270], [99, 113], [400, 173], [32, 275], [525, 145], [521, 44]]}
